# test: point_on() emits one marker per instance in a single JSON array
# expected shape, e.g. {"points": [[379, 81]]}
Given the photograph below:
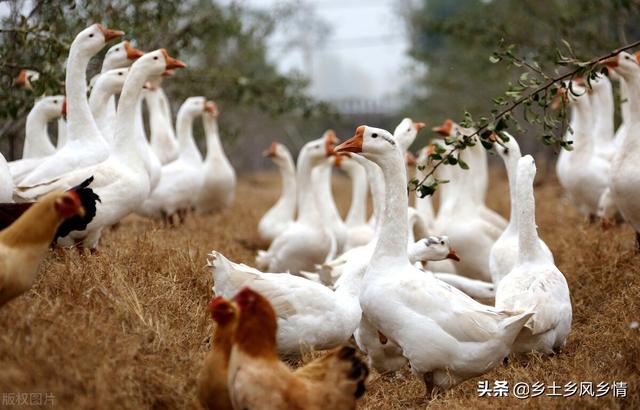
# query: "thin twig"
{"points": [[519, 101]]}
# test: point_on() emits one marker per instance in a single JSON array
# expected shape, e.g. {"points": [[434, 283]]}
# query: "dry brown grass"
{"points": [[128, 328]]}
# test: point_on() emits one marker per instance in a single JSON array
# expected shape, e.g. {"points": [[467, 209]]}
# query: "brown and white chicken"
{"points": [[212, 381], [257, 379], [24, 244]]}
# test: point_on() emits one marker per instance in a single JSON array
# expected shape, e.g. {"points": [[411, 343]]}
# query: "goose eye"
{"points": [[117, 49], [155, 58], [374, 135], [119, 73], [55, 101], [441, 242], [90, 35]]}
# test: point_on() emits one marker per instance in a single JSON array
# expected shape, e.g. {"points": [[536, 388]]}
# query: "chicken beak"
{"points": [[419, 125], [110, 34], [354, 144], [172, 62], [272, 151], [444, 129], [453, 255], [132, 52]]}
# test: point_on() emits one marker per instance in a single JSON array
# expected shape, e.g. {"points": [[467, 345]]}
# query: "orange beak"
{"points": [[562, 96], [453, 255], [132, 52], [354, 144], [611, 62], [419, 125], [109, 34], [431, 149], [410, 159], [330, 139], [445, 128], [638, 57], [338, 161], [172, 62], [168, 73], [272, 151], [64, 107], [21, 79], [211, 108]]}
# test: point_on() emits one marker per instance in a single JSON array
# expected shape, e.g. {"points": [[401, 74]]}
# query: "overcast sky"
{"points": [[364, 56]]}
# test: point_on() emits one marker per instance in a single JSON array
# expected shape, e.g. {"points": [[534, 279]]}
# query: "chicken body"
{"points": [[24, 244], [257, 379]]}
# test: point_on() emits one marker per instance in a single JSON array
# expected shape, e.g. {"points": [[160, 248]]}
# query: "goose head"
{"points": [[120, 55], [193, 107], [91, 40], [432, 248], [372, 143], [319, 149], [406, 132], [155, 62], [624, 64], [211, 109], [26, 77], [51, 107], [508, 150], [112, 81]]}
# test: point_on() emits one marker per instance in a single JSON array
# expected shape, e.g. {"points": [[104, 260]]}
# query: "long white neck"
{"points": [[393, 236], [287, 201], [307, 208], [80, 122], [424, 206], [212, 132], [511, 165], [529, 249], [125, 142], [629, 143], [188, 149], [603, 111], [99, 102], [625, 109], [36, 140], [358, 211], [324, 194], [376, 185], [62, 133]]}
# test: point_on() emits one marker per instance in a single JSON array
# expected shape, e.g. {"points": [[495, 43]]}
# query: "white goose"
{"points": [[37, 145], [408, 307], [601, 96], [583, 174], [105, 86], [504, 252], [534, 283], [6, 182], [359, 232], [182, 179], [307, 241], [121, 55], [476, 158], [86, 145], [625, 171], [121, 181], [162, 135], [219, 187], [282, 213], [322, 184]]}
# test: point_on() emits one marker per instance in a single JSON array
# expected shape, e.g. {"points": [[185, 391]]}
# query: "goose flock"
{"points": [[162, 175], [467, 287]]}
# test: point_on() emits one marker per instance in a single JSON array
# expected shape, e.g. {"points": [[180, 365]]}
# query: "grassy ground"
{"points": [[128, 328]]}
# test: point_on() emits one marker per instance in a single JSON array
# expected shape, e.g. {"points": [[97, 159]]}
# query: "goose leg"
{"points": [[429, 386]]}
